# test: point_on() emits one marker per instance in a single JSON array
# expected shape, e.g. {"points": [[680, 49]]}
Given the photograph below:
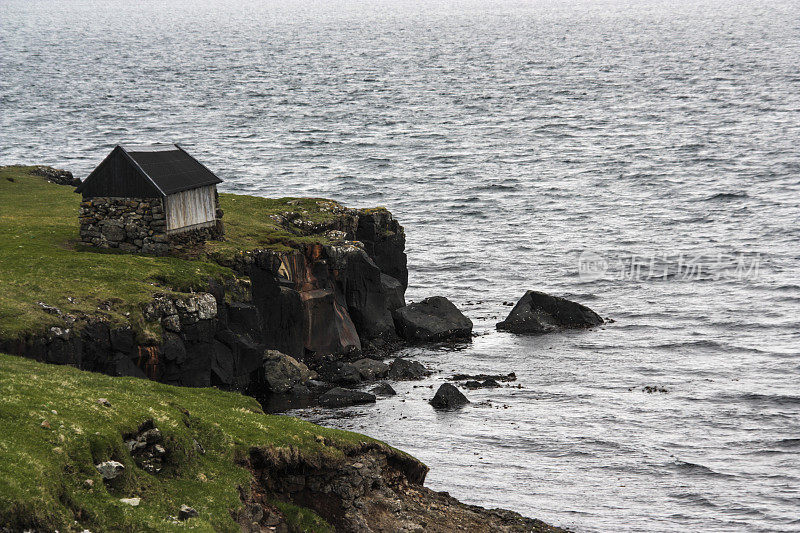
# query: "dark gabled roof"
{"points": [[169, 168]]}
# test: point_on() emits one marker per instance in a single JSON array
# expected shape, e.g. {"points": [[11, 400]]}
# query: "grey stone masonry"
{"points": [[139, 225], [129, 224]]}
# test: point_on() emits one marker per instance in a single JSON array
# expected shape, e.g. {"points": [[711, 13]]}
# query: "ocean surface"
{"points": [[641, 157]]}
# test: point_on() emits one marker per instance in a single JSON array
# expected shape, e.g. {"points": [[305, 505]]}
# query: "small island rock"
{"points": [[448, 397], [537, 313]]}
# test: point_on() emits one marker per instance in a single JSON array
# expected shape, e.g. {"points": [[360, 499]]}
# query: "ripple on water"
{"points": [[507, 139]]}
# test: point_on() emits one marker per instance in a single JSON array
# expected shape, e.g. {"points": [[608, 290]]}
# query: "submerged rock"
{"points": [[448, 397], [511, 376], [383, 389], [339, 397], [537, 313], [486, 384], [404, 369], [433, 319]]}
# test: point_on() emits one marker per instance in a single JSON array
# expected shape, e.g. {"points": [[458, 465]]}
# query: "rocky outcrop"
{"points": [[375, 488], [433, 319], [537, 313], [448, 397], [57, 176], [336, 298], [319, 302], [370, 369]]}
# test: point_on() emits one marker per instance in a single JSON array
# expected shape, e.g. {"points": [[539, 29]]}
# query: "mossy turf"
{"points": [[41, 259], [252, 222], [53, 431]]}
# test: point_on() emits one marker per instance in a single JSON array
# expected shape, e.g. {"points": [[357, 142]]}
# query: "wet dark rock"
{"points": [[280, 312], [433, 319], [448, 397], [339, 397], [186, 512], [511, 376], [537, 313], [486, 384], [650, 389], [340, 373], [394, 291], [329, 326], [370, 369], [244, 318], [383, 389], [384, 241], [359, 279], [405, 369], [279, 373]]}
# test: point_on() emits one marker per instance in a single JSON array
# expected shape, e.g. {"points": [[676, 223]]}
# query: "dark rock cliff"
{"points": [[319, 301]]}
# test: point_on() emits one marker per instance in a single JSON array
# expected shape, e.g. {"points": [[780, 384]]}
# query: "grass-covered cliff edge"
{"points": [[214, 451], [42, 261], [240, 469]]}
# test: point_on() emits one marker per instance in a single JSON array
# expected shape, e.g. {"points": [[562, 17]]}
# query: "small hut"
{"points": [[152, 200]]}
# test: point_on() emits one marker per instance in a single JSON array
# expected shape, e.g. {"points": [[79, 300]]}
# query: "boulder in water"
{"points": [[448, 397], [383, 389], [537, 313], [433, 319]]}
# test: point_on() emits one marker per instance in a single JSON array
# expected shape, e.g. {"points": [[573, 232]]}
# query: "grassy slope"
{"points": [[41, 260], [43, 469]]}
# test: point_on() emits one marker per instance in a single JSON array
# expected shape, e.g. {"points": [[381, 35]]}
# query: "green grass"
{"points": [[249, 223], [41, 259], [43, 469]]}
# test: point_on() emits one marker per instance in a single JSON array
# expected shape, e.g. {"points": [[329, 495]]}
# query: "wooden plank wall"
{"points": [[190, 208]]}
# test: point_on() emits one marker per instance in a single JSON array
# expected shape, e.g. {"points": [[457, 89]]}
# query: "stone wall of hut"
{"points": [[139, 225]]}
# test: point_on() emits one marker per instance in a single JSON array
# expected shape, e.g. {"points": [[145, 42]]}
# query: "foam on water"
{"points": [[508, 140]]}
